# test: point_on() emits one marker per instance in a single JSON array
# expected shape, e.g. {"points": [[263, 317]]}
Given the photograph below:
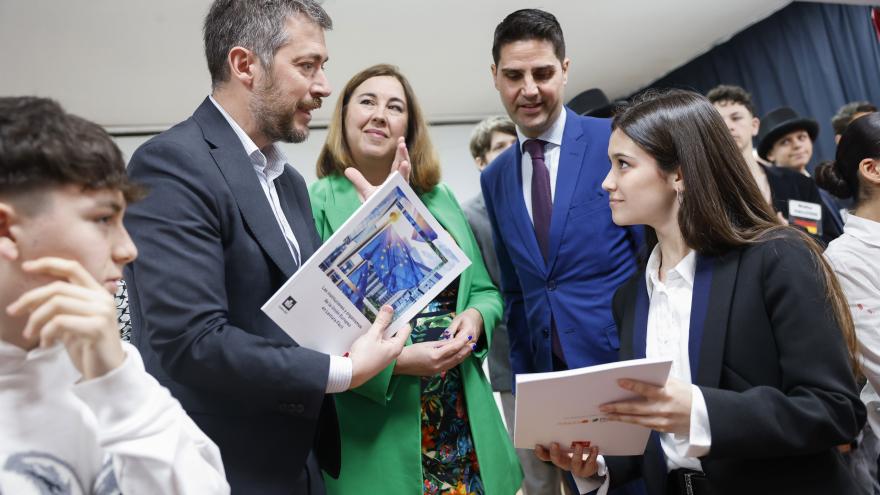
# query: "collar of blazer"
{"points": [[710, 313], [572, 152], [235, 166]]}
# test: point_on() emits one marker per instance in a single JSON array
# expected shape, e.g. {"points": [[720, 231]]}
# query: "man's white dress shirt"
{"points": [[269, 164], [553, 138]]}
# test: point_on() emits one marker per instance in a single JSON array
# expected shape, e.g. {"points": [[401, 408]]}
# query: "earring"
{"points": [[679, 196]]}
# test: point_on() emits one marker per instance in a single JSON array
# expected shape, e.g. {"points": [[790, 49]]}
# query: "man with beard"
{"points": [[227, 221]]}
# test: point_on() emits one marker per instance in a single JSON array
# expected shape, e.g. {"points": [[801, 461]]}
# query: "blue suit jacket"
{"points": [[211, 253], [589, 255]]}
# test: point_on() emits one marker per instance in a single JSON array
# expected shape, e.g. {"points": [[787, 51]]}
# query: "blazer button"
{"points": [[551, 284], [545, 332]]}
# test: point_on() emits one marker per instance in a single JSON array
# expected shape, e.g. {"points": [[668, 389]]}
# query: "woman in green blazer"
{"points": [[428, 423]]}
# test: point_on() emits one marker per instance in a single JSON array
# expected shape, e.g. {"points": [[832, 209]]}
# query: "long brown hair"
{"points": [[721, 206], [336, 156]]}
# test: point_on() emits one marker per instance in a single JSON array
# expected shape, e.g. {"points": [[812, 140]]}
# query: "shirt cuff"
{"points": [[120, 393], [339, 378], [699, 439], [602, 479]]}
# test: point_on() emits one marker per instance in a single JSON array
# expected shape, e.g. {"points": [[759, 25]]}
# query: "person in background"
{"points": [[786, 139], [490, 138], [847, 114], [226, 223], [855, 173], [78, 413], [761, 389], [428, 423]]}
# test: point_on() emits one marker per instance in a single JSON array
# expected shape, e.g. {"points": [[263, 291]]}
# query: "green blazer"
{"points": [[380, 421]]}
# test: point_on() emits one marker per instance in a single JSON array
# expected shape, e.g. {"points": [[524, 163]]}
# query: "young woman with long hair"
{"points": [[762, 387]]}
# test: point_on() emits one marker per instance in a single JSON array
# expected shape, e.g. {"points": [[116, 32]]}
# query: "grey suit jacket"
{"points": [[499, 354]]}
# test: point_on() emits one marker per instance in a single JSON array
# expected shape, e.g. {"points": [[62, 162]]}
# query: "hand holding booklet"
{"points": [[563, 406], [390, 251]]}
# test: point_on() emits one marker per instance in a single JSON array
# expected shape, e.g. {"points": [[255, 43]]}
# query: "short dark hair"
{"points": [[846, 113], [727, 93], [43, 146], [481, 136], [257, 25], [529, 24]]}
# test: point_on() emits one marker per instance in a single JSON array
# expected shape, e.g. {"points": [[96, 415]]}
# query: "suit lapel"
{"points": [[301, 223], [723, 281], [236, 168], [517, 207], [699, 306], [571, 157]]}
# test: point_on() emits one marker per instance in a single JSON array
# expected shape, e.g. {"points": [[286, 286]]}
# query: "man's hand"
{"points": [[666, 409], [580, 465], [431, 358], [372, 352], [400, 164], [75, 310]]}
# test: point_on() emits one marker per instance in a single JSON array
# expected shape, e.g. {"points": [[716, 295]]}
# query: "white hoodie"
{"points": [[121, 432]]}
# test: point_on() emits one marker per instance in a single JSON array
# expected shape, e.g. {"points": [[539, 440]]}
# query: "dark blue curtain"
{"points": [[809, 56]]}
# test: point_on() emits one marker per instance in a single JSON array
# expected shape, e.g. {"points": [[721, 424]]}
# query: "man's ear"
{"points": [[565, 64], [8, 220], [494, 69], [756, 126], [243, 65]]}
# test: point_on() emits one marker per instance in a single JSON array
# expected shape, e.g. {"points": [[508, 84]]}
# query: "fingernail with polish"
{"points": [[473, 347], [470, 337]]}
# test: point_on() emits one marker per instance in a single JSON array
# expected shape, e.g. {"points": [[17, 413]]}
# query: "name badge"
{"points": [[805, 215]]}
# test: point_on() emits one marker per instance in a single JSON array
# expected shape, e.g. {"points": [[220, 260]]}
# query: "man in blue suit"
{"points": [[560, 254]]}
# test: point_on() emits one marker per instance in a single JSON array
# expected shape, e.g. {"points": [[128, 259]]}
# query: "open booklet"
{"points": [[390, 251], [563, 406]]}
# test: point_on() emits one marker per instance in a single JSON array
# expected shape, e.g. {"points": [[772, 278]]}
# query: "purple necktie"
{"points": [[542, 203], [542, 209]]}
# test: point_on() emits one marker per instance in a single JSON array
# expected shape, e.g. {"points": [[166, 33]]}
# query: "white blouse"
{"points": [[855, 258]]}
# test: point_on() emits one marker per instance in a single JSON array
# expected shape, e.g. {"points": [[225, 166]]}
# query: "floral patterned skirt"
{"points": [[449, 459]]}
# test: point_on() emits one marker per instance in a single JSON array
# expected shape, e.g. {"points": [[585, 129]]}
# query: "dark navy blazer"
{"points": [[211, 253]]}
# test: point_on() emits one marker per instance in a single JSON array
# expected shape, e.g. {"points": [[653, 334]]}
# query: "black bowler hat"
{"points": [[778, 123], [592, 103]]}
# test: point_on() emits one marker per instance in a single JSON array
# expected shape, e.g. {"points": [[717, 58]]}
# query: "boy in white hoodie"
{"points": [[78, 413]]}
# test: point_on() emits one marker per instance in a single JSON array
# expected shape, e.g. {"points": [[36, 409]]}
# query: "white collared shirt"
{"points": [[553, 137], [668, 333], [853, 256], [268, 167]]}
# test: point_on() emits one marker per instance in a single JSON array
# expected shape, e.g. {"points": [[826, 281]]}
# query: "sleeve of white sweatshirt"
{"points": [[154, 445]]}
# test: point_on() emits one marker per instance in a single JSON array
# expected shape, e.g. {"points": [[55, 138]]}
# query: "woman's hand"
{"points": [[666, 409], [580, 465], [468, 325], [432, 358], [400, 164]]}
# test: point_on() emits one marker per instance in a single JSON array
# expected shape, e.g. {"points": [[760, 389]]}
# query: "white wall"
{"points": [[451, 141]]}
